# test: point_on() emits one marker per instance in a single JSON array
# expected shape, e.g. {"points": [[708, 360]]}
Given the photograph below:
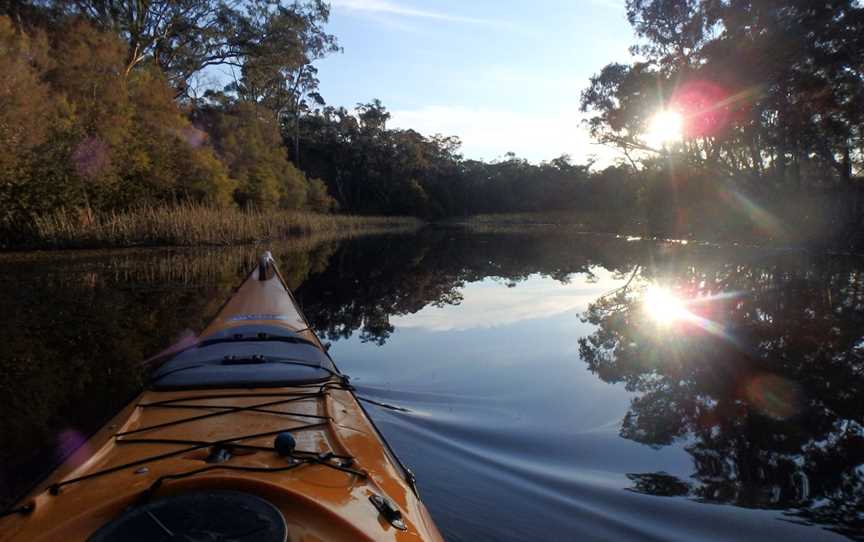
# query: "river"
{"points": [[546, 385]]}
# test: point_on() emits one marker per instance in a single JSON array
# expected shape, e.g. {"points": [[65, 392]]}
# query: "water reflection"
{"points": [[77, 328], [733, 376], [763, 388], [482, 305]]}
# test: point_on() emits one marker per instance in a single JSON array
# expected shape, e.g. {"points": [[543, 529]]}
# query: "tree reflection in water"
{"points": [[373, 279], [763, 385]]}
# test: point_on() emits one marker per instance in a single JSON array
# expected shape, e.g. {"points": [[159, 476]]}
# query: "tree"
{"points": [[247, 138], [82, 134], [765, 87], [278, 70], [181, 37], [31, 119]]}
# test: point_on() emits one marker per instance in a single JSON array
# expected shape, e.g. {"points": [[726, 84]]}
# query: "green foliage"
{"points": [[181, 38], [103, 129], [770, 90], [317, 198], [120, 123], [277, 71], [247, 138], [770, 96], [33, 122], [372, 169], [82, 134]]}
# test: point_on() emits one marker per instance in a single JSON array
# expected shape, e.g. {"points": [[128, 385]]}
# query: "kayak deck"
{"points": [[334, 480]]}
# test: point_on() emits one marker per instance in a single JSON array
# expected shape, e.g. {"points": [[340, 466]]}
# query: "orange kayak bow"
{"points": [[251, 434]]}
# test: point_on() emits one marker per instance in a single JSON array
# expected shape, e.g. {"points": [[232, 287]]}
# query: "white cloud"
{"points": [[488, 134], [392, 8]]}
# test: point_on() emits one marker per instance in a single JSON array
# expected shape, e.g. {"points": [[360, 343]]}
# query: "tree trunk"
{"points": [[853, 192], [297, 137]]}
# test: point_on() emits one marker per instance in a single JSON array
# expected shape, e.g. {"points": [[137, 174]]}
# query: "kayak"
{"points": [[250, 434]]}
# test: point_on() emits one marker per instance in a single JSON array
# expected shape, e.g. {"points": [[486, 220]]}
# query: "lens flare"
{"points": [[91, 157], [666, 126], [68, 442], [706, 106], [663, 306], [774, 396]]}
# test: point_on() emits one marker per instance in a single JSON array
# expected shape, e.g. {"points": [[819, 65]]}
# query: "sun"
{"points": [[663, 306], [666, 126]]}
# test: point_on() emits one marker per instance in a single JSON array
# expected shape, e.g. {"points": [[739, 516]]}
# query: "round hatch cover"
{"points": [[200, 516]]}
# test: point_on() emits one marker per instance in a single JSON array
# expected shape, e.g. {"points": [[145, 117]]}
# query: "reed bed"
{"points": [[193, 225]]}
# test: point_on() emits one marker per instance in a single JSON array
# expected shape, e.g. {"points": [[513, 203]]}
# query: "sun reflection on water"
{"points": [[667, 308], [664, 307]]}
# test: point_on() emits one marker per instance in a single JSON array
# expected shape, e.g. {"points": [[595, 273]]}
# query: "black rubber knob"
{"points": [[284, 444]]}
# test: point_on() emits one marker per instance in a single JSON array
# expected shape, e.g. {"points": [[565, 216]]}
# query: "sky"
{"points": [[502, 75]]}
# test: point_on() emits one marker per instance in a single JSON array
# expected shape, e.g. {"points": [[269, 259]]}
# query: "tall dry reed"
{"points": [[192, 224]]}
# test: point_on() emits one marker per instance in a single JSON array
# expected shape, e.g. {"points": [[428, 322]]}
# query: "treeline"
{"points": [[108, 105], [112, 104], [100, 111], [770, 99], [372, 169]]}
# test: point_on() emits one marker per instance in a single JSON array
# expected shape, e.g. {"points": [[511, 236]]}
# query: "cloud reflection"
{"points": [[490, 303]]}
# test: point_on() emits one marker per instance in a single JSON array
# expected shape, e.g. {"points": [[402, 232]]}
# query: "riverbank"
{"points": [[507, 222], [185, 225], [812, 230]]}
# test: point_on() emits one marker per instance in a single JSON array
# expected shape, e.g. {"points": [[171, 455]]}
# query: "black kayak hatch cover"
{"points": [[200, 516]]}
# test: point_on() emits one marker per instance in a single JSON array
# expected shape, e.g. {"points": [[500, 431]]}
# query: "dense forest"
{"points": [[111, 104]]}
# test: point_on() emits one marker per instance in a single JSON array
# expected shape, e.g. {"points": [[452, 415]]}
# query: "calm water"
{"points": [[550, 386]]}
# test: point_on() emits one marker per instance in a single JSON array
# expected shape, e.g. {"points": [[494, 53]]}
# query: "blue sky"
{"points": [[502, 75]]}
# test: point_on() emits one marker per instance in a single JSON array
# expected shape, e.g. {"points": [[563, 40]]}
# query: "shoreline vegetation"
{"points": [[105, 114], [190, 224], [810, 232], [201, 225]]}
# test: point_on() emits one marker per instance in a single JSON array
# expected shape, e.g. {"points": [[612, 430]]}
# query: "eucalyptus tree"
{"points": [[182, 37], [770, 91], [272, 42], [278, 71]]}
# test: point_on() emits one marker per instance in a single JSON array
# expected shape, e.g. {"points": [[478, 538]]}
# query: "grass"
{"points": [[190, 225]]}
